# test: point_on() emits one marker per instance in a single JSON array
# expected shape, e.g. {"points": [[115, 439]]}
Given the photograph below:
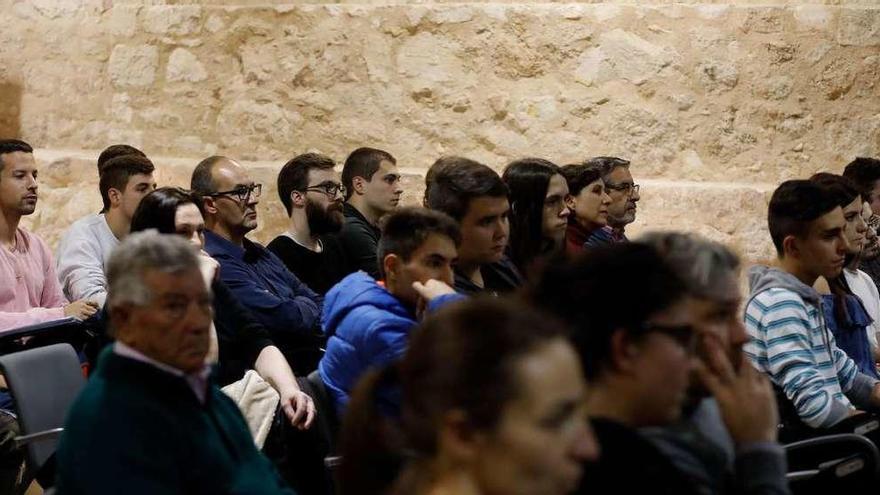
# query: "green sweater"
{"points": [[135, 429]]}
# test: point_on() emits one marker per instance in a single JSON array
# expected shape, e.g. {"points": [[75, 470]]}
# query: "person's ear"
{"points": [[457, 439], [391, 264], [791, 246], [570, 202], [624, 351], [297, 199], [115, 196], [359, 184], [210, 205]]}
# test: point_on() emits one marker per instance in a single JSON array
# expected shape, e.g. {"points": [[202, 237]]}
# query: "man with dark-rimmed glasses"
{"points": [[283, 304], [310, 190], [624, 196]]}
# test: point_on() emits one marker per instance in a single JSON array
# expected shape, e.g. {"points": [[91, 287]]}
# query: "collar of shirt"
{"points": [[197, 381]]}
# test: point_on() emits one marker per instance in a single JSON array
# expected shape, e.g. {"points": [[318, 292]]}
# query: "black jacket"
{"points": [[360, 240]]}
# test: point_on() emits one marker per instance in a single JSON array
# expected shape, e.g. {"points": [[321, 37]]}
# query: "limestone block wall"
{"points": [[714, 103]]}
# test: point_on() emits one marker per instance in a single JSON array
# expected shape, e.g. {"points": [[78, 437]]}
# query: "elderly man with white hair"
{"points": [[149, 421]]}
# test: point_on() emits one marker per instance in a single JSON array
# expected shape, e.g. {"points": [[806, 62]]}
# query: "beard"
{"points": [[324, 220]]}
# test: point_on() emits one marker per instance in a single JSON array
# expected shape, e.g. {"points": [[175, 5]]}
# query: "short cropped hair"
{"points": [[865, 172], [115, 150], [614, 287], [606, 164], [202, 180], [12, 146], [580, 175], [456, 181], [362, 162], [704, 266], [406, 229], [795, 204], [294, 175], [844, 190], [117, 171], [139, 253]]}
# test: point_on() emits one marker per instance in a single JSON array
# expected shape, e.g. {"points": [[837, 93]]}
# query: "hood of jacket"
{"points": [[357, 290], [762, 278]]}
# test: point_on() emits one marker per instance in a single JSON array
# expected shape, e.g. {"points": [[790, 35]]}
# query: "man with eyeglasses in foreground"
{"points": [[311, 193], [276, 297], [624, 196], [632, 324], [726, 438]]}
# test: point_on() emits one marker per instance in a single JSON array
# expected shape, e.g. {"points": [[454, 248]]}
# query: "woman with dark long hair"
{"points": [[538, 211], [853, 295], [492, 403]]}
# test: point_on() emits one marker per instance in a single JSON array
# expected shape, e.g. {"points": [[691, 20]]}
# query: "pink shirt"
{"points": [[29, 289]]}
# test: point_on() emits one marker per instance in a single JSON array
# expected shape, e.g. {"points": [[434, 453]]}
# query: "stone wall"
{"points": [[713, 103]]}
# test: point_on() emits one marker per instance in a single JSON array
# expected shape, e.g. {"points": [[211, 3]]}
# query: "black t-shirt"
{"points": [[630, 463], [498, 278], [319, 271]]}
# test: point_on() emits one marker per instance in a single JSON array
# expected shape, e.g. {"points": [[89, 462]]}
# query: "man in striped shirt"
{"points": [[789, 339]]}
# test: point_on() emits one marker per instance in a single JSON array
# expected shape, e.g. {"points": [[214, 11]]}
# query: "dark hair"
{"points": [[11, 146], [202, 180], [844, 192], [362, 162], [294, 175], [158, 209], [115, 150], [406, 229], [448, 366], [606, 164], [116, 172], [456, 181], [528, 180], [579, 175], [610, 288], [794, 205], [865, 172]]}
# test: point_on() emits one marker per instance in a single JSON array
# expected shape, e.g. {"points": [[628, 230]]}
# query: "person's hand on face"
{"points": [[429, 291], [744, 396]]}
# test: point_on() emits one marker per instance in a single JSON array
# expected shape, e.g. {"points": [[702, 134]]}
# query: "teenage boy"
{"points": [[476, 197], [372, 189], [85, 248], [277, 298], [789, 339], [311, 193], [368, 321]]}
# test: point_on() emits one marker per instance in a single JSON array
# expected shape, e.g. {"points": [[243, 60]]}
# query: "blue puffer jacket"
{"points": [[366, 327]]}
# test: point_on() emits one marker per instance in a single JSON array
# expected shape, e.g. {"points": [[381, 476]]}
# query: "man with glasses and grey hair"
{"points": [[149, 420], [276, 297], [311, 193], [725, 440], [624, 196]]}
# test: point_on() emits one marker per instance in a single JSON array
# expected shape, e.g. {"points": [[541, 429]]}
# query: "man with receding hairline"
{"points": [[277, 298]]}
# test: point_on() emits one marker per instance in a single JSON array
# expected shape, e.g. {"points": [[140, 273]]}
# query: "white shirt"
{"points": [[861, 284], [82, 258]]}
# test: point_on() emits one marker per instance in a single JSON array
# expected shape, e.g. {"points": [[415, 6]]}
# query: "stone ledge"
{"points": [[727, 212]]}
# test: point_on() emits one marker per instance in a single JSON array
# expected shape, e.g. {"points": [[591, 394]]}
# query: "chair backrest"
{"points": [[329, 423], [44, 383]]}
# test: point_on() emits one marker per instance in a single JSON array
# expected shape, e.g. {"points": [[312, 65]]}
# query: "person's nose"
{"points": [[565, 212], [585, 447], [606, 198]]}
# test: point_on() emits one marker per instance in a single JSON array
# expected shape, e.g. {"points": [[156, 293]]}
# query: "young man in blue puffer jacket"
{"points": [[368, 321]]}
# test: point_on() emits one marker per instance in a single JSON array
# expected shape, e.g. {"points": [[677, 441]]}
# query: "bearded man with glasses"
{"points": [[260, 281], [311, 193]]}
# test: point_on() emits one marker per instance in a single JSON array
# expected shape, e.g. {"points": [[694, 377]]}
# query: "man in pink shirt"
{"points": [[29, 288]]}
